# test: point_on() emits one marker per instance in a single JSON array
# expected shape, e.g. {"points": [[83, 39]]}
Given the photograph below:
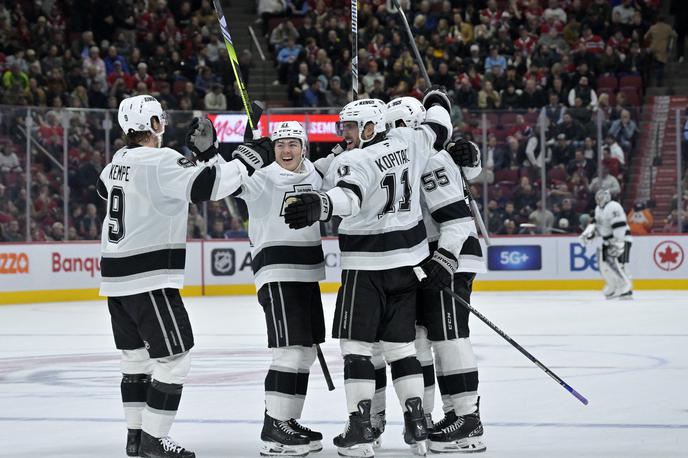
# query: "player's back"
{"points": [[388, 231], [143, 241]]}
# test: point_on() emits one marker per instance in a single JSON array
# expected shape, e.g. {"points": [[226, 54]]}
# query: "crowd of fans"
{"points": [[572, 61]]}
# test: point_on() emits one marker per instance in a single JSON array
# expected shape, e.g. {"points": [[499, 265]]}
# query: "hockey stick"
{"points": [[474, 207], [325, 369], [421, 275], [354, 50]]}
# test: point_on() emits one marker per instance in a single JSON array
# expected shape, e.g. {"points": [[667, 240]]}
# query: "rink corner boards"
{"points": [[68, 295]]}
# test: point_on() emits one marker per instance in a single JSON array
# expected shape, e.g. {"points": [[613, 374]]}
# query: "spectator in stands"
{"points": [[494, 59], [236, 229], [542, 218], [466, 96], [286, 57], [336, 96], [562, 151], [11, 233], [615, 151], [640, 219], [554, 110], [585, 92], [605, 181], [659, 36], [624, 130], [217, 230], [215, 100], [9, 162], [371, 76], [580, 164], [142, 76], [508, 228], [623, 13], [488, 98], [93, 64], [532, 97], [571, 128], [314, 96], [281, 34], [57, 232], [525, 194], [568, 213]]}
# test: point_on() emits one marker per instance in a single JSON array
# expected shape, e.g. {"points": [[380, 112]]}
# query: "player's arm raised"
{"points": [[216, 179]]}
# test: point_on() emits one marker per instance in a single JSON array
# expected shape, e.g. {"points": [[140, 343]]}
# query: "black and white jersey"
{"points": [[143, 242], [281, 254], [447, 216], [385, 230], [611, 223]]}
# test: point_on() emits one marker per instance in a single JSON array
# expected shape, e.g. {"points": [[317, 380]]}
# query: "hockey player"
{"points": [[287, 266], [442, 324], [148, 189], [611, 226], [381, 238]]}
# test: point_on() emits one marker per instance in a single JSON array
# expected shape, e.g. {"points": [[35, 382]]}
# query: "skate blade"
{"points": [[275, 449], [377, 443], [467, 445], [419, 448], [626, 297], [360, 450], [315, 446]]}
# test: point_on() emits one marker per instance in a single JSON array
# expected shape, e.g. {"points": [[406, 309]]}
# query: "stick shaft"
{"points": [[325, 369], [354, 49]]}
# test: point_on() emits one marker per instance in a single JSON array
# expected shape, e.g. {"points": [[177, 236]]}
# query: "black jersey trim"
{"points": [[356, 190], [284, 254], [471, 247], [388, 241], [170, 259], [618, 224], [202, 187], [452, 211], [101, 189], [441, 134]]}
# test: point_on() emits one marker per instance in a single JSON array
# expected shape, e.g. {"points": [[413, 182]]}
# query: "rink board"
{"points": [[39, 272]]}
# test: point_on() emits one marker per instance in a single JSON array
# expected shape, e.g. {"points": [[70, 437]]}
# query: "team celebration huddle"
{"points": [[397, 183]]}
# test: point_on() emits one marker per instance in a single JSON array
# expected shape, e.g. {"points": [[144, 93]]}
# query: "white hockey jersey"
{"points": [[611, 223], [143, 242], [277, 252], [446, 214], [386, 230]]}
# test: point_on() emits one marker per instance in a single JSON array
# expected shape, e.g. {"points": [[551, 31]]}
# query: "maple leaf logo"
{"points": [[668, 255]]}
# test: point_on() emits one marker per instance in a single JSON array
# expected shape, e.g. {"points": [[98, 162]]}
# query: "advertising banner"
{"points": [[321, 127]]}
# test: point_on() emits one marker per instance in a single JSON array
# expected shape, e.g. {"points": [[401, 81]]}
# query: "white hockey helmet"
{"points": [[602, 197], [406, 109], [362, 112], [291, 129], [135, 114]]}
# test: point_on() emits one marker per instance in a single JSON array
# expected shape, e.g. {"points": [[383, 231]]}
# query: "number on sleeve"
{"points": [[116, 215]]}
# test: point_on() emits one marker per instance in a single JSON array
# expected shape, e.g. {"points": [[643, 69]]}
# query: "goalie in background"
{"points": [[611, 226]]}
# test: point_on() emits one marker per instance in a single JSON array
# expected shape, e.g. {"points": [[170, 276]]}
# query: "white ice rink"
{"points": [[59, 379]]}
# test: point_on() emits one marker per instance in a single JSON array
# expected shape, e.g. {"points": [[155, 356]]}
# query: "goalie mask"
{"points": [[602, 197]]}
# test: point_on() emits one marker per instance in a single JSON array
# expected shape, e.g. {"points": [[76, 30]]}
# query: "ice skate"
{"points": [[280, 439], [464, 435], [415, 430], [315, 437], [378, 422], [162, 447], [133, 442], [357, 438]]}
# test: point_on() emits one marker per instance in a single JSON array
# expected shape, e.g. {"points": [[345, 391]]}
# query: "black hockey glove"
{"points": [[255, 154], [463, 153], [305, 209], [201, 138], [437, 95], [439, 269]]}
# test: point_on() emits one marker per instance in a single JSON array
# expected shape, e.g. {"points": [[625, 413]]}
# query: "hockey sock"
{"points": [[457, 375], [407, 376], [134, 388], [380, 398], [308, 355], [359, 380], [161, 407], [282, 382], [424, 352]]}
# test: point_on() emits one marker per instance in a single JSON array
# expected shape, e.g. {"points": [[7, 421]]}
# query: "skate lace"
{"points": [[169, 445], [454, 426], [443, 423], [284, 427], [296, 425]]}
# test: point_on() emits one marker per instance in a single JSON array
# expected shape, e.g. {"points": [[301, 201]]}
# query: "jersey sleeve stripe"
{"points": [[101, 189], [441, 134], [167, 259], [471, 247], [352, 187], [618, 224], [284, 254], [388, 241], [453, 211], [202, 187]]}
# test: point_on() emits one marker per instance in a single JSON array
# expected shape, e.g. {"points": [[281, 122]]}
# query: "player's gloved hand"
{"points": [[201, 138], [439, 269], [464, 153], [588, 234], [437, 95], [339, 148], [615, 249], [307, 208], [255, 154]]}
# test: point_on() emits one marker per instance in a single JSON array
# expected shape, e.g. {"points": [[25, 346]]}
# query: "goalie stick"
{"points": [[474, 207], [421, 275], [254, 110]]}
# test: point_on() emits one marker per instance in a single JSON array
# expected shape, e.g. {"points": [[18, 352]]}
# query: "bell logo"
{"points": [[668, 256]]}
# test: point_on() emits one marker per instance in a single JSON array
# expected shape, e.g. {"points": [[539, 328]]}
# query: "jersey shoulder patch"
{"points": [[185, 162]]}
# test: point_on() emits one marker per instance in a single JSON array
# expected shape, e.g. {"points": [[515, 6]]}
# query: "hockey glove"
{"points": [[437, 95], [439, 269], [202, 139], [305, 209], [255, 154], [464, 153], [588, 234]]}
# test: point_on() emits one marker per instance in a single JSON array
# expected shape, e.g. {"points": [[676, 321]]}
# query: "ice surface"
{"points": [[59, 379]]}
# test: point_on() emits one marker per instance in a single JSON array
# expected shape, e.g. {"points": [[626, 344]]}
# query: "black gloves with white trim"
{"points": [[439, 269], [307, 208], [437, 95], [464, 153], [201, 138], [255, 154]]}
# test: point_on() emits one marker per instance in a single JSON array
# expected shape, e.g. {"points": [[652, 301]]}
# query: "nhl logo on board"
{"points": [[223, 261]]}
